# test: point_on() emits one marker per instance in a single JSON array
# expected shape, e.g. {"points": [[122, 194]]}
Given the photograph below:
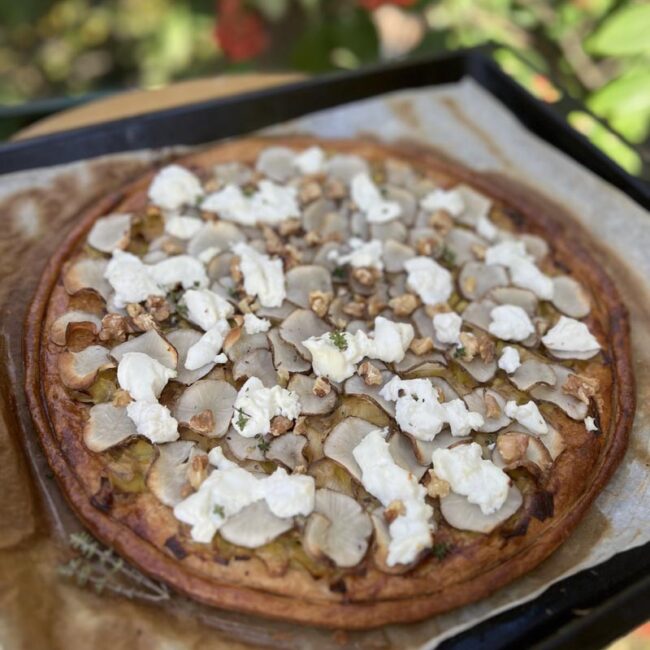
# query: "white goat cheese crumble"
{"points": [[174, 187], [450, 201], [182, 227], [207, 348], [153, 421], [469, 475], [254, 325], [310, 161], [369, 200], [432, 282], [486, 229], [179, 269], [410, 532], [256, 406], [509, 360], [263, 276], [570, 336], [142, 376], [363, 254], [130, 279], [528, 415], [590, 424], [270, 204], [510, 323], [447, 326], [206, 308]]}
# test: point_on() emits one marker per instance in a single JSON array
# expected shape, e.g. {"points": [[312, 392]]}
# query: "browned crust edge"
{"points": [[357, 615]]}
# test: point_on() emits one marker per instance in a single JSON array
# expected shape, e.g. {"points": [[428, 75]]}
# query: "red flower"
{"points": [[240, 32], [371, 5]]}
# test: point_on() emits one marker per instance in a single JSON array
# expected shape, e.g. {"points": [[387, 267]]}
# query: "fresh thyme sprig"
{"points": [[243, 418], [338, 339]]}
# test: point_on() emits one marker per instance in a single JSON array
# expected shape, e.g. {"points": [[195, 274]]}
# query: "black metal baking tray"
{"points": [[585, 611]]}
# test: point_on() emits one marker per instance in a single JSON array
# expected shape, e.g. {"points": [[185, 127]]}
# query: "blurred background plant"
{"points": [[56, 53]]}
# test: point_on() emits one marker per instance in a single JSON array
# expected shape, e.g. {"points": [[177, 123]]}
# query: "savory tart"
{"points": [[332, 382]]}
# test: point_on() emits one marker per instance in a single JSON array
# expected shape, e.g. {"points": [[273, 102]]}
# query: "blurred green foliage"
{"points": [[598, 50]]}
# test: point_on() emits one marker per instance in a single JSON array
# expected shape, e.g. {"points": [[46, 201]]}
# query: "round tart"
{"points": [[332, 382]]}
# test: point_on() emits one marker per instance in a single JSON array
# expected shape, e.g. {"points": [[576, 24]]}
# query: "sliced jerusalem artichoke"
{"points": [[424, 324], [78, 370], [111, 232], [183, 340], [463, 515], [285, 355], [244, 448], [212, 395], [60, 325], [329, 474], [257, 363], [87, 273], [381, 543], [570, 297], [481, 371], [254, 526], [476, 205], [322, 218], [107, 426], [478, 313], [150, 343], [356, 385], [412, 361], [523, 298], [301, 325], [554, 442], [406, 200], [391, 231], [219, 266], [337, 529], [302, 280], [395, 254], [310, 403], [402, 452], [288, 450], [532, 372], [476, 279], [424, 449], [484, 401], [276, 314], [535, 246], [238, 344], [167, 477], [343, 438], [463, 244], [443, 386], [218, 235], [532, 454], [572, 406], [276, 163]]}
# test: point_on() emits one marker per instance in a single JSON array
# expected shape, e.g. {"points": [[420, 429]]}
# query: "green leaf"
{"points": [[629, 93], [626, 32]]}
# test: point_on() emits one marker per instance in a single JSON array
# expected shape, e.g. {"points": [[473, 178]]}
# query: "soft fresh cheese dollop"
{"points": [[206, 308], [206, 349], [447, 327], [130, 279], [410, 532], [570, 336], [310, 161], [363, 254], [450, 201], [256, 406], [142, 376], [179, 269], [590, 424], [254, 325], [510, 323], [527, 414], [263, 276], [174, 187], [270, 204], [509, 359], [370, 201], [469, 475], [153, 421], [432, 282]]}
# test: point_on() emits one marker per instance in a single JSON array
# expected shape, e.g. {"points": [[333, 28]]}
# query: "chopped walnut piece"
{"points": [[319, 302], [437, 487], [291, 257], [309, 191], [121, 398], [283, 377], [365, 275], [421, 346], [403, 305], [144, 322], [479, 251], [371, 374], [355, 309], [470, 345], [312, 238], [321, 387], [134, 309], [512, 446], [158, 307], [469, 284], [202, 422], [289, 227], [235, 271], [300, 469], [335, 189], [197, 470], [486, 347], [375, 306], [153, 211], [427, 245], [245, 305], [580, 387], [239, 319], [79, 335], [280, 425], [300, 427], [172, 247], [441, 221], [274, 245], [393, 510], [492, 408], [440, 308], [114, 328]]}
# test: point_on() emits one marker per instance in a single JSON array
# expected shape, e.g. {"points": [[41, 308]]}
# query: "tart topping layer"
{"points": [[329, 349]]}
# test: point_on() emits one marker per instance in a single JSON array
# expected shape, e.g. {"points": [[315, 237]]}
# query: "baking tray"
{"points": [[586, 610]]}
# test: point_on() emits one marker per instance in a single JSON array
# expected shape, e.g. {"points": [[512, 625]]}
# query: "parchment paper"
{"points": [[463, 122]]}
